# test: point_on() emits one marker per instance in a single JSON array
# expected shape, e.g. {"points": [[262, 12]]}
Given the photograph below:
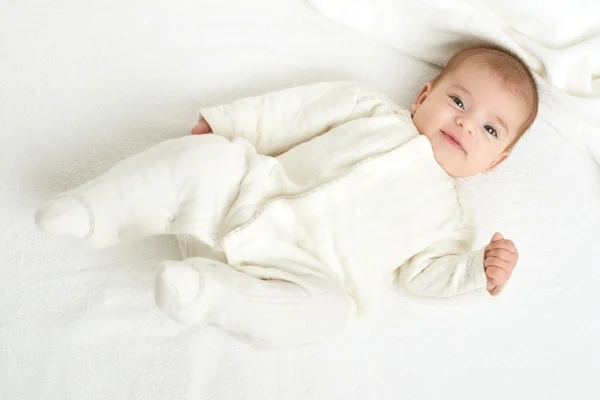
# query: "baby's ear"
{"points": [[421, 97], [498, 161]]}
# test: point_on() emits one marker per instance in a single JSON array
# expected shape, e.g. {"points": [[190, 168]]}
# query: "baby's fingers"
{"points": [[507, 245], [501, 254], [201, 127], [497, 275], [503, 247], [493, 261]]}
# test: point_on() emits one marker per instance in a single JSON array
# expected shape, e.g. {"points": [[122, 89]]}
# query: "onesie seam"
{"points": [[306, 194], [459, 201]]}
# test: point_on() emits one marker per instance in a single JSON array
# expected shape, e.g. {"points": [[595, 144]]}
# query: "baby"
{"points": [[315, 199]]}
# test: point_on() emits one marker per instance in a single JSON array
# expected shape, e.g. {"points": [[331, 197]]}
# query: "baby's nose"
{"points": [[463, 123]]}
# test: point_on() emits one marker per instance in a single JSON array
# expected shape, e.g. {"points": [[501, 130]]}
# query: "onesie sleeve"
{"points": [[280, 120], [446, 268]]}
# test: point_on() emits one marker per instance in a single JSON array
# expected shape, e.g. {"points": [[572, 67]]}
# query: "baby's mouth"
{"points": [[453, 141]]}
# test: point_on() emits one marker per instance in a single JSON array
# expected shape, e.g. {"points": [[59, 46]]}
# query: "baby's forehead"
{"points": [[478, 74], [495, 66]]}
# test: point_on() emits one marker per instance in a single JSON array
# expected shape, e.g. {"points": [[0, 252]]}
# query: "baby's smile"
{"points": [[453, 140]]}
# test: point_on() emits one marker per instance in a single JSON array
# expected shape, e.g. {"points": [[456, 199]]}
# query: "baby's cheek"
{"points": [[422, 122]]}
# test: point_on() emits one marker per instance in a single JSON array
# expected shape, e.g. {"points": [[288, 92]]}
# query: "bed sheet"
{"points": [[88, 83]]}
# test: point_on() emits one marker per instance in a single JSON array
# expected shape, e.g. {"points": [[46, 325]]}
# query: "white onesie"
{"points": [[313, 199]]}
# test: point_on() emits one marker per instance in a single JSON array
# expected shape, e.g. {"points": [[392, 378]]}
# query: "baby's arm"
{"points": [[449, 267], [278, 121], [446, 268]]}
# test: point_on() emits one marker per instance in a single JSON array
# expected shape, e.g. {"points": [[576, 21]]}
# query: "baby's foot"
{"points": [[177, 289], [64, 216]]}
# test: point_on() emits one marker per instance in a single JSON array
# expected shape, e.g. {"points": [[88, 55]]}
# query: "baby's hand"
{"points": [[499, 261], [201, 128]]}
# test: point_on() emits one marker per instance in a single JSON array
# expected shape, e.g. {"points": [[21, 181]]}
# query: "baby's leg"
{"points": [[264, 313], [143, 195]]}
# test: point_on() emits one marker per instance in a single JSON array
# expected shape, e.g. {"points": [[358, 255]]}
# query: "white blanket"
{"points": [[559, 40], [87, 83]]}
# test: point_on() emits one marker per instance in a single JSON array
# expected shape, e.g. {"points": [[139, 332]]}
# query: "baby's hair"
{"points": [[507, 66]]}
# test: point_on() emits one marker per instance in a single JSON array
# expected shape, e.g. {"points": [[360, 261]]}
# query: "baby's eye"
{"points": [[458, 101], [490, 129]]}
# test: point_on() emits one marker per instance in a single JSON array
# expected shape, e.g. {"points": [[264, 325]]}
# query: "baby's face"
{"points": [[470, 117]]}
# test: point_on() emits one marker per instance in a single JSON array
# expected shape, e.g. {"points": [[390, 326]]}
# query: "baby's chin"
{"points": [[453, 167], [445, 164]]}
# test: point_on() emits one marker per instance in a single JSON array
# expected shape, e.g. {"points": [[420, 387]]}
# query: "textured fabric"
{"points": [[363, 196], [265, 313]]}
